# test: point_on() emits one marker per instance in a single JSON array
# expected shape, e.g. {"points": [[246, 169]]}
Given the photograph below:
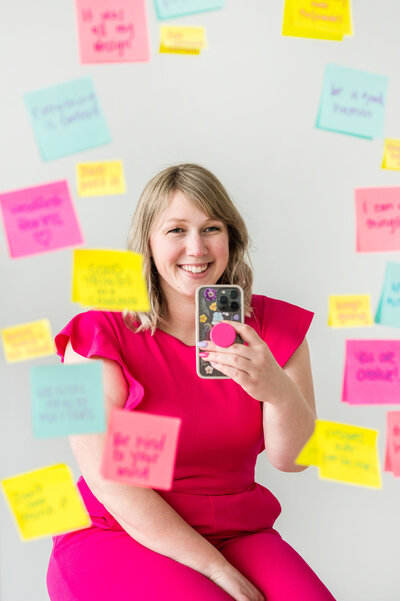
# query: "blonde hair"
{"points": [[202, 188]]}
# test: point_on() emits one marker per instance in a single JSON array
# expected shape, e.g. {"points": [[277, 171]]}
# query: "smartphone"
{"points": [[214, 304]]}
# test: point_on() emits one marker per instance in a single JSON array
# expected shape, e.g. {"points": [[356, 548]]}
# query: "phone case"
{"points": [[211, 309]]}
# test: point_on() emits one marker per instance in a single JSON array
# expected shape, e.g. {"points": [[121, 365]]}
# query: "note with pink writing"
{"points": [[140, 449], [378, 219], [392, 454], [372, 372], [112, 31], [40, 219]]}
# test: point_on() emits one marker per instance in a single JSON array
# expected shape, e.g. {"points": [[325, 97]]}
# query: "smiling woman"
{"points": [[211, 536]]}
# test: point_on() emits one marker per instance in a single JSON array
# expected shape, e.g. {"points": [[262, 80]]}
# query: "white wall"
{"points": [[246, 109]]}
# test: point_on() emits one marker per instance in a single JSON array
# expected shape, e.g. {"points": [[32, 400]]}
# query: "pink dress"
{"points": [[213, 489]]}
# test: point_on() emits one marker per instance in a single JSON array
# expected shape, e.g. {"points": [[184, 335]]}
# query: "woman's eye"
{"points": [[176, 230], [213, 227]]}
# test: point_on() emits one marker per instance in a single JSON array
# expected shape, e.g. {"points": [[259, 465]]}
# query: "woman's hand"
{"points": [[235, 584], [252, 366]]}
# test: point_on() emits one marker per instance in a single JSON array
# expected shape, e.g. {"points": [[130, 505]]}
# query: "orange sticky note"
{"points": [[140, 449], [27, 341]]}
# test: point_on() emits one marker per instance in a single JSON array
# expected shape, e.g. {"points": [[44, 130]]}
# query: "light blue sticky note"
{"points": [[67, 399], [388, 312], [67, 118], [168, 9], [353, 102]]}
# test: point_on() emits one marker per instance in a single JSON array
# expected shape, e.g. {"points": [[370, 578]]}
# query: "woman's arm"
{"points": [[143, 513]]}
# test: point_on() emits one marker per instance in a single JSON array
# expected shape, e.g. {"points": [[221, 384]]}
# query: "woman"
{"points": [[211, 537]]}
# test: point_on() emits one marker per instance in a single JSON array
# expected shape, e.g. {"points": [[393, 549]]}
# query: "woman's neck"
{"points": [[180, 319]]}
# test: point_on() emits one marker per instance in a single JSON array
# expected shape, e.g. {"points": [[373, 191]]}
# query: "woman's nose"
{"points": [[196, 246]]}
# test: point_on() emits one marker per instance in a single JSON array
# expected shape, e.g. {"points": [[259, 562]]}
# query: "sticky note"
{"points": [[67, 399], [391, 155], [100, 179], [112, 32], [45, 502], [392, 453], [350, 311], [352, 102], [67, 118], [140, 448], [328, 20], [372, 372], [40, 219], [377, 219], [181, 39], [388, 312], [27, 341], [345, 453], [167, 9], [109, 279]]}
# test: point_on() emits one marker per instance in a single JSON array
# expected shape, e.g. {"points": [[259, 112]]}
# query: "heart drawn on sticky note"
{"points": [[42, 237]]}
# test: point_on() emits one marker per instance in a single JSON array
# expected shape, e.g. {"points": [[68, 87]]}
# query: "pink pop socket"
{"points": [[223, 334]]}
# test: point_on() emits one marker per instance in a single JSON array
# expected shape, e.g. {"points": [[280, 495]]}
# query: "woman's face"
{"points": [[188, 248]]}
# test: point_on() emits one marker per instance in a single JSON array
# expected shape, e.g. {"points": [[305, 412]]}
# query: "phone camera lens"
{"points": [[234, 305], [234, 293], [223, 300]]}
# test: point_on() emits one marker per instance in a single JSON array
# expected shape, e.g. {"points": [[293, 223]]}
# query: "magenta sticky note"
{"points": [[392, 455], [40, 219], [372, 372], [140, 448], [377, 219], [112, 31]]}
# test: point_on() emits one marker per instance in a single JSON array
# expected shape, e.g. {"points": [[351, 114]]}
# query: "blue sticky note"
{"points": [[388, 312], [168, 9], [67, 399], [67, 118], [352, 102]]}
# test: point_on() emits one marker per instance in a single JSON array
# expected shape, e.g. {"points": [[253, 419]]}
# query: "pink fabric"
{"points": [[213, 489]]}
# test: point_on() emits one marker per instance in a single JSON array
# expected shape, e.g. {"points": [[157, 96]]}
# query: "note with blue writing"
{"points": [[388, 312]]}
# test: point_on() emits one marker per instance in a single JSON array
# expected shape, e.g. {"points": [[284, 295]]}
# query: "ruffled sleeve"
{"points": [[283, 326], [93, 334]]}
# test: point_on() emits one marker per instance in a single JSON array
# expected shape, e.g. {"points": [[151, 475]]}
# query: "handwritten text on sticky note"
{"points": [[67, 399], [328, 20], [347, 311], [352, 102], [109, 279], [391, 155], [388, 311], [343, 452], [141, 448], [40, 219], [45, 502], [372, 372], [112, 31], [27, 341], [182, 39], [100, 179], [378, 219]]}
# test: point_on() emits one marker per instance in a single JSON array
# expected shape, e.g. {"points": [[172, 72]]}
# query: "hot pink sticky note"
{"points": [[378, 219], [140, 449], [372, 372], [112, 31], [392, 455], [40, 219]]}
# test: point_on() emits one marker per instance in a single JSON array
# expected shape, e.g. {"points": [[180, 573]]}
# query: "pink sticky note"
{"points": [[112, 31], [372, 372], [392, 456], [40, 219], [140, 449], [378, 219]]}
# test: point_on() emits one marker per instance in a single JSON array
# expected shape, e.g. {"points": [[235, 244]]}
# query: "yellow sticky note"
{"points": [[179, 39], [45, 502], [109, 279], [391, 155], [345, 453], [350, 311], [100, 179], [27, 341], [327, 19]]}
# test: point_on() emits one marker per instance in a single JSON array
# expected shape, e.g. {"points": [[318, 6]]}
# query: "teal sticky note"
{"points": [[168, 9], [67, 399], [388, 312], [352, 102], [67, 118]]}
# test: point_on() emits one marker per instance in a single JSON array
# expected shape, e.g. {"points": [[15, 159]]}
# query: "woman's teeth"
{"points": [[194, 268]]}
